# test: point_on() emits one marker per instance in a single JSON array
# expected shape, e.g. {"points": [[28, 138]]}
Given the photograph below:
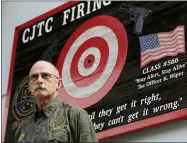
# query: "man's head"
{"points": [[44, 80]]}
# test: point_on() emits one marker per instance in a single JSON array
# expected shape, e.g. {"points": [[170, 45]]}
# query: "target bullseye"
{"points": [[91, 60]]}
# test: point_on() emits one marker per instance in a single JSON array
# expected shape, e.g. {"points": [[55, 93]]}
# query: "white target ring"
{"points": [[91, 60]]}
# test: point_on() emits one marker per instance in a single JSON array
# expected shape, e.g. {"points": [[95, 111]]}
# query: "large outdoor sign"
{"points": [[125, 63]]}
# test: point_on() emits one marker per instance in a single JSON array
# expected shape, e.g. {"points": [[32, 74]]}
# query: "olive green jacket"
{"points": [[58, 122]]}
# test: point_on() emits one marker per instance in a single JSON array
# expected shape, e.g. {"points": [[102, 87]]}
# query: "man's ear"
{"points": [[59, 84]]}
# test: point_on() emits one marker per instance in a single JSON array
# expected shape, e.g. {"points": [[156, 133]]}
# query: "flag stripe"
{"points": [[167, 44], [181, 36], [145, 62], [159, 53], [165, 49], [160, 49], [176, 41]]}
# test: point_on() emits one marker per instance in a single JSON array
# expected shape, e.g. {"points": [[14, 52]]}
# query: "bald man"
{"points": [[54, 120]]}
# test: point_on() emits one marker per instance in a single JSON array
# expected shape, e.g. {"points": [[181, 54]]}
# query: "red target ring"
{"points": [[81, 85]]}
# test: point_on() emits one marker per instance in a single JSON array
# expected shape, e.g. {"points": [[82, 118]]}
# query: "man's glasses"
{"points": [[44, 75]]}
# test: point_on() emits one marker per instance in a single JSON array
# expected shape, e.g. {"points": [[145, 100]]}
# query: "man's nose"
{"points": [[39, 79]]}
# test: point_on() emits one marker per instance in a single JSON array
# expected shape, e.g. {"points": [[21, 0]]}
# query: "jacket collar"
{"points": [[51, 106]]}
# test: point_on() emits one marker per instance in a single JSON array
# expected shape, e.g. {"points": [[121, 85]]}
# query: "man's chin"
{"points": [[41, 96]]}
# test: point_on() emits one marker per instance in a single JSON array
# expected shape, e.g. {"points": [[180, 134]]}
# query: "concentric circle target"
{"points": [[91, 60]]}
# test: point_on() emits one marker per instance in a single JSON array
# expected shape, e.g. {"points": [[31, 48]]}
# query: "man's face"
{"points": [[44, 80]]}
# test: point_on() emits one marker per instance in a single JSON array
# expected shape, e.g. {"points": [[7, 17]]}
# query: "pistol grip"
{"points": [[138, 26]]}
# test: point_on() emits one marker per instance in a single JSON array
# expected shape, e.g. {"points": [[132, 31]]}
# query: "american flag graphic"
{"points": [[159, 45]]}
